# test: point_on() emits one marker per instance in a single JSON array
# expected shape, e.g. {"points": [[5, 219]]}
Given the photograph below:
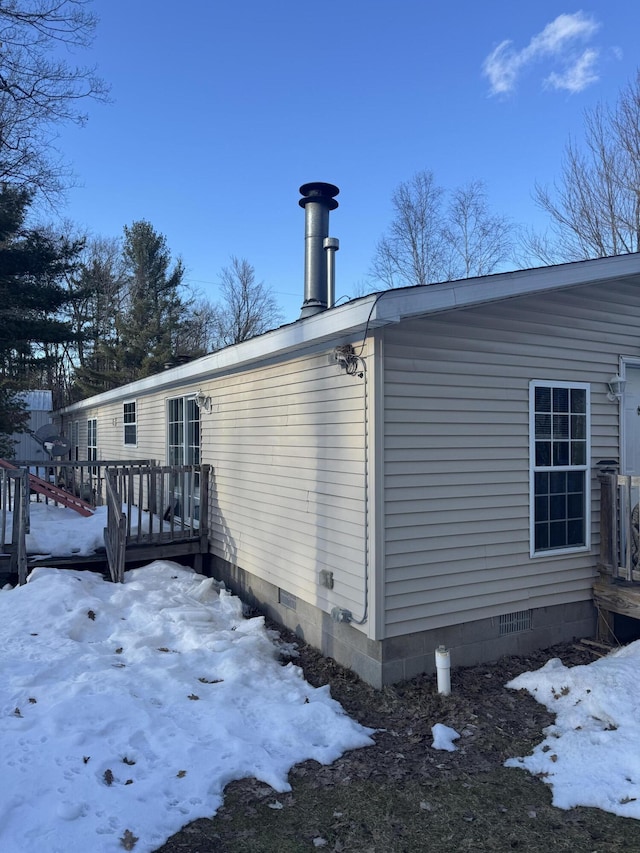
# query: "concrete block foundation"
{"points": [[395, 659]]}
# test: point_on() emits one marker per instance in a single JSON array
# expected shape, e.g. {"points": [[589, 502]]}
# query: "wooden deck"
{"points": [[617, 588], [153, 512]]}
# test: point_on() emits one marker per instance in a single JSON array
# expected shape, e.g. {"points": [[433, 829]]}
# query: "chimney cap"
{"points": [[319, 191]]}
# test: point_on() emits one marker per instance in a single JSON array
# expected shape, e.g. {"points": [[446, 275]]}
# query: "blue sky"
{"points": [[222, 110]]}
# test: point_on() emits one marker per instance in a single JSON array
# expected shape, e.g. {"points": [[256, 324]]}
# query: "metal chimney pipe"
{"points": [[331, 246], [318, 199]]}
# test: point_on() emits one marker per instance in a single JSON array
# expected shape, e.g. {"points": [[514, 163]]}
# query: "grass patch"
{"points": [[499, 811]]}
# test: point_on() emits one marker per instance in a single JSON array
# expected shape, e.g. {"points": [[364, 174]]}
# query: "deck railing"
{"points": [[165, 502], [620, 525], [14, 499], [147, 505], [115, 533], [154, 505], [84, 479]]}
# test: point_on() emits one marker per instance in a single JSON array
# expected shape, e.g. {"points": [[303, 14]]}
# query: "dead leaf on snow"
{"points": [[128, 840]]}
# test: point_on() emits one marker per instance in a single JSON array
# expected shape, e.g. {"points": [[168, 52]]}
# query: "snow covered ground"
{"points": [[128, 708], [591, 754]]}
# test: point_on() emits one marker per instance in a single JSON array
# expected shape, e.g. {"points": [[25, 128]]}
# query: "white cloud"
{"points": [[578, 76], [555, 35], [504, 64], [502, 67]]}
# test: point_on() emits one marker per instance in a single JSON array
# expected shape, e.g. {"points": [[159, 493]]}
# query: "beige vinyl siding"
{"points": [[287, 445], [456, 450], [151, 423]]}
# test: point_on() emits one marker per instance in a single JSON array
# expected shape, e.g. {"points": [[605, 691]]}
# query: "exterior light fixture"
{"points": [[202, 401], [616, 388]]}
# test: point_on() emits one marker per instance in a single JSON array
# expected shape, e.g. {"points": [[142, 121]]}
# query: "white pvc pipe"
{"points": [[443, 670]]}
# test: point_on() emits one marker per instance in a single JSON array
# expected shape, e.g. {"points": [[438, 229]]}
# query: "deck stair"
{"points": [[54, 493]]}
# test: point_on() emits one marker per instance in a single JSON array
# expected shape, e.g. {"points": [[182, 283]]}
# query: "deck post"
{"points": [[21, 523], [608, 522]]}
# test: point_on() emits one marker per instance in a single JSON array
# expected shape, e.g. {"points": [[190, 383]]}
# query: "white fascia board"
{"points": [[416, 301], [369, 312], [302, 335]]}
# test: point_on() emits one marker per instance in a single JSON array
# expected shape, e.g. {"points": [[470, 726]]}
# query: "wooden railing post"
{"points": [[21, 522], [115, 534], [5, 500], [608, 522]]}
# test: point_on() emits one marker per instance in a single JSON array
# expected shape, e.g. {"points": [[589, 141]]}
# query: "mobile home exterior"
{"points": [[412, 469]]}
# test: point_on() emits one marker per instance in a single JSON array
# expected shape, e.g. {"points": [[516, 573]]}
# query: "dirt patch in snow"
{"points": [[401, 794]]}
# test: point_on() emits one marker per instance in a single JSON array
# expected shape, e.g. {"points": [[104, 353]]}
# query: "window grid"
{"points": [[92, 442], [183, 448], [560, 450], [183, 423], [129, 421]]}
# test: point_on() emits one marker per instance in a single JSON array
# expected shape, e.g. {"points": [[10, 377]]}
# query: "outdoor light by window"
{"points": [[616, 387], [202, 401]]}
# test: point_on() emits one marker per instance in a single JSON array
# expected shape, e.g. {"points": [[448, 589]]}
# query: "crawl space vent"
{"points": [[512, 623], [286, 599]]}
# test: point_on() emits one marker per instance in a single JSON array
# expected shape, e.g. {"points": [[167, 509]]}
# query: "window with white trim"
{"points": [[92, 441], [183, 431], [129, 423], [560, 449], [183, 448]]}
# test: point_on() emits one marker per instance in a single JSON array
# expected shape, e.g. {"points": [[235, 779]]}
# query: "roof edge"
{"points": [[368, 312]]}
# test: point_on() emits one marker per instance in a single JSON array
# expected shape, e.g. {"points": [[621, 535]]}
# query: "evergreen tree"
{"points": [[153, 315], [33, 263], [13, 417], [99, 288]]}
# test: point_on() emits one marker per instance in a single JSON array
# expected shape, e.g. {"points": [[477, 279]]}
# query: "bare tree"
{"points": [[248, 307], [478, 240], [595, 206], [38, 90], [414, 250], [198, 334], [431, 239]]}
